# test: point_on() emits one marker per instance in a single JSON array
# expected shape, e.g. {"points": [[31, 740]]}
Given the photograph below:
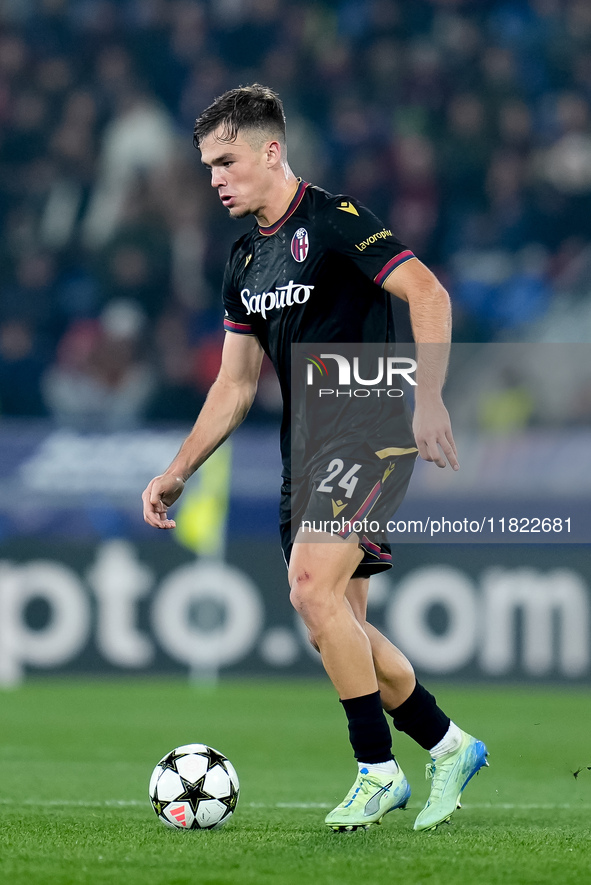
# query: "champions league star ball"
{"points": [[194, 788]]}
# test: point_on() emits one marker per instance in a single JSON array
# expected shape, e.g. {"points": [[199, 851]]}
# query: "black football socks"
{"points": [[420, 718], [369, 731]]}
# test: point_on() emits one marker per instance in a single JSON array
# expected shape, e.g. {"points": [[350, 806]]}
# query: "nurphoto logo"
{"points": [[347, 372]]}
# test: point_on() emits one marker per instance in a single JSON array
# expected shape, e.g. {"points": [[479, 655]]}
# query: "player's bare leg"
{"points": [[455, 756], [394, 672], [319, 574]]}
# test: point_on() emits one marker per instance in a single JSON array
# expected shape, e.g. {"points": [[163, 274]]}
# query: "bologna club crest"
{"points": [[300, 244]]}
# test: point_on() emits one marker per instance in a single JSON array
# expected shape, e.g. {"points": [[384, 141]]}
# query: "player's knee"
{"points": [[302, 592], [308, 599]]}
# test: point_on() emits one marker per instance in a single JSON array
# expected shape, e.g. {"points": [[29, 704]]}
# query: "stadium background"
{"points": [[466, 126]]}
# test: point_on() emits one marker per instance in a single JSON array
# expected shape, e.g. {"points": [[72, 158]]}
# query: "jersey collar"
{"points": [[297, 199]]}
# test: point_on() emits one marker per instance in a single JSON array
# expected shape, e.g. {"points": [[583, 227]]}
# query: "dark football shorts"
{"points": [[352, 490]]}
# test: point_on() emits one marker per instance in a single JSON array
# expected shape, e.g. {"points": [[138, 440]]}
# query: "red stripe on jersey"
{"points": [[243, 328], [298, 196], [395, 262]]}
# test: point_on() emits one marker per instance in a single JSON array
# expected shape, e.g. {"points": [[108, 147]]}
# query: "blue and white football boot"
{"points": [[369, 799], [450, 774]]}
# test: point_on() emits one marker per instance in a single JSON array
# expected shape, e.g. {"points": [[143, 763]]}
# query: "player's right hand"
{"points": [[158, 496]]}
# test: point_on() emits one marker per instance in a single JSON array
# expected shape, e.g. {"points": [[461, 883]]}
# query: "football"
{"points": [[194, 787]]}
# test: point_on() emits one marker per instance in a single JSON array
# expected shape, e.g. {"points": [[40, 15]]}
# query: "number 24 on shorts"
{"points": [[347, 482]]}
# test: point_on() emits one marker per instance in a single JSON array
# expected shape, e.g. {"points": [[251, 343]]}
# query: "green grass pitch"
{"points": [[76, 756]]}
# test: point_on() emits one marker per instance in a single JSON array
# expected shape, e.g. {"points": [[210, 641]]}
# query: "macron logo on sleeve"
{"points": [[346, 206]]}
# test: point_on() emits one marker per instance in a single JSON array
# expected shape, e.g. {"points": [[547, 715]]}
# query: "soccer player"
{"points": [[321, 268]]}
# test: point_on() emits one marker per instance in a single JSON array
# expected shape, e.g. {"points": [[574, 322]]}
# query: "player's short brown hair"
{"points": [[255, 108]]}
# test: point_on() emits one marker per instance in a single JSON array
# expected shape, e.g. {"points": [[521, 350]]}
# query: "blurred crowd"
{"points": [[464, 124]]}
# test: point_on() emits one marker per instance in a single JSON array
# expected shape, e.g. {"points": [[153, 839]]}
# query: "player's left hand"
{"points": [[433, 434]]}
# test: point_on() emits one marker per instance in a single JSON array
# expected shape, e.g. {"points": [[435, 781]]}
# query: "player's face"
{"points": [[239, 173]]}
